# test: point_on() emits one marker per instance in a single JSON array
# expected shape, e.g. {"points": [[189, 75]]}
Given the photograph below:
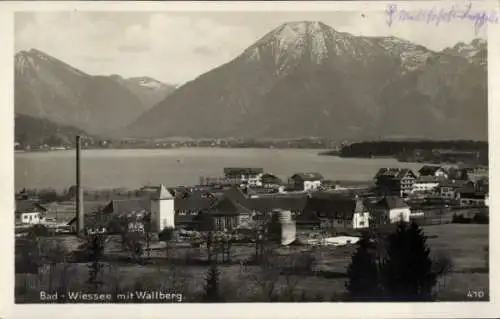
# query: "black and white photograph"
{"points": [[219, 155]]}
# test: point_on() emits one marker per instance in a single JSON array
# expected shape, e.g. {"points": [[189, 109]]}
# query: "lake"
{"points": [[184, 166]]}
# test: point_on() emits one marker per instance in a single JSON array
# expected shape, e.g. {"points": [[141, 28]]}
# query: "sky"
{"points": [[175, 47]]}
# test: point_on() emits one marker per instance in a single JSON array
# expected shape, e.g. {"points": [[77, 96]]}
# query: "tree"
{"points": [[407, 272], [147, 222], [132, 236], [363, 272], [94, 252], [71, 192], [48, 195], [167, 236], [442, 265], [212, 291]]}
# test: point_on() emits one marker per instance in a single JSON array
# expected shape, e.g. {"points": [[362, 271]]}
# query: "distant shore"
{"points": [[434, 152]]}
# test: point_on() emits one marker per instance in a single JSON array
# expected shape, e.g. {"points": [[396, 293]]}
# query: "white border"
{"points": [[251, 310]]}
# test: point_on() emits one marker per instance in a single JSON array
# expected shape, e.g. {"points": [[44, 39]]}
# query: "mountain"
{"points": [[48, 88], [149, 91], [30, 130], [467, 50], [307, 79]]}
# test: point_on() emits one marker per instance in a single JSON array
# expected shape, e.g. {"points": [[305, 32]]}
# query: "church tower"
{"points": [[162, 209]]}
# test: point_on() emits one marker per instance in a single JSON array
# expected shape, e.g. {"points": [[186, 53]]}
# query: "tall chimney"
{"points": [[79, 190]]}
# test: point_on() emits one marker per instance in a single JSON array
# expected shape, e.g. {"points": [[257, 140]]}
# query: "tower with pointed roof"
{"points": [[162, 209]]}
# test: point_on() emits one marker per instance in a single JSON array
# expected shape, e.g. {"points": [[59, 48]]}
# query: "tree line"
{"points": [[394, 148]]}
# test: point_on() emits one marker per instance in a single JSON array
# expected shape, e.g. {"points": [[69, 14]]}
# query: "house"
{"points": [[474, 194], [268, 180], [433, 171], [427, 183], [162, 209], [306, 181], [390, 209], [336, 210], [244, 173], [331, 185], [225, 214], [256, 191], [156, 202], [266, 204], [186, 210], [447, 189], [394, 181], [474, 173], [29, 212], [220, 181], [96, 222], [192, 204], [29, 218]]}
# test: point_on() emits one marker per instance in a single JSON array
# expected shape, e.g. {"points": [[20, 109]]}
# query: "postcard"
{"points": [[249, 159]]}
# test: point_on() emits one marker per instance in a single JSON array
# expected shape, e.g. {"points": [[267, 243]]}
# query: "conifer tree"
{"points": [[212, 281], [363, 272], [407, 273]]}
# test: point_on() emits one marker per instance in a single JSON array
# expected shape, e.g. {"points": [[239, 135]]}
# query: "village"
{"points": [[242, 195], [245, 213]]}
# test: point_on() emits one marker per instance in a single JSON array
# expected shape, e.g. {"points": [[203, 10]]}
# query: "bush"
{"points": [[48, 195], [166, 235], [39, 230], [460, 219], [481, 218]]}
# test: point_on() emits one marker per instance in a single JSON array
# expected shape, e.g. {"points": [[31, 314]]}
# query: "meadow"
{"points": [[319, 272]]}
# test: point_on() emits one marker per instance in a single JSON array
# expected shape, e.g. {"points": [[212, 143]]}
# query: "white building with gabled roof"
{"points": [[162, 209]]}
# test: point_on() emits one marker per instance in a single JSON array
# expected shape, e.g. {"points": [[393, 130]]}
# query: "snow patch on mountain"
{"points": [[146, 82], [412, 56], [290, 41], [293, 42], [150, 84], [467, 50]]}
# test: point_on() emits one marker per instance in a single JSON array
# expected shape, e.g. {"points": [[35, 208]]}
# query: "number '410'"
{"points": [[476, 294]]}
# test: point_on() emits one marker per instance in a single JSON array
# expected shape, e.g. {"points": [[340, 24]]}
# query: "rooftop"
{"points": [[308, 176], [391, 202], [242, 171], [429, 170], [430, 179], [394, 172]]}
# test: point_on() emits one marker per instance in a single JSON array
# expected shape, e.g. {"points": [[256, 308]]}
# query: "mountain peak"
{"points": [[479, 43], [302, 27], [35, 53], [34, 58], [293, 30], [294, 40]]}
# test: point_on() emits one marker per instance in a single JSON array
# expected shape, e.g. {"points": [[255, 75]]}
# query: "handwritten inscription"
{"points": [[438, 16]]}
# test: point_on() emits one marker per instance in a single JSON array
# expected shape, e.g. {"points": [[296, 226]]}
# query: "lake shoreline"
{"points": [[183, 166]]}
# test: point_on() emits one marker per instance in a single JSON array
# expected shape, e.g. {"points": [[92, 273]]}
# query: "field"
{"points": [[242, 281]]}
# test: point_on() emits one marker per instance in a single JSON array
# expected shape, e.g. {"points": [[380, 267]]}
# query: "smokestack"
{"points": [[79, 190]]}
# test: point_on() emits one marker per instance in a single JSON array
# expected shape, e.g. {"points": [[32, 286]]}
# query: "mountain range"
{"points": [[302, 79], [50, 89], [30, 130]]}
